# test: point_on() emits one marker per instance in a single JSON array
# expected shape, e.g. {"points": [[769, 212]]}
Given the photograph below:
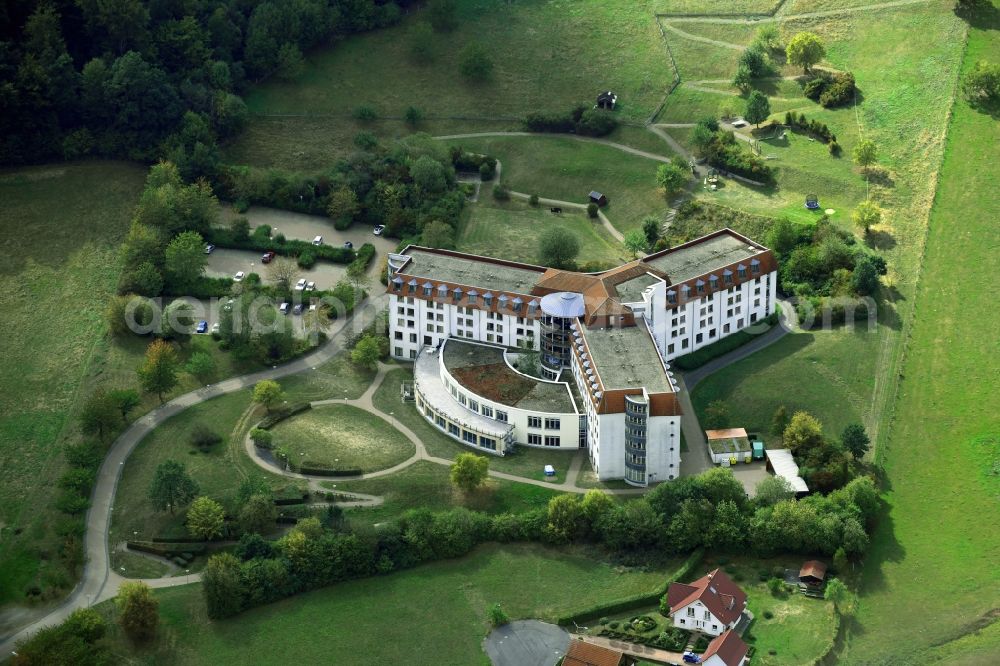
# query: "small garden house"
{"points": [[598, 198], [607, 100], [728, 446], [812, 577]]}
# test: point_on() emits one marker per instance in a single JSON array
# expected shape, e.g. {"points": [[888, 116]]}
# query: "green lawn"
{"points": [[433, 615], [933, 558], [218, 472], [342, 437], [525, 462], [427, 485], [337, 378], [517, 228], [567, 169], [60, 227], [547, 57]]}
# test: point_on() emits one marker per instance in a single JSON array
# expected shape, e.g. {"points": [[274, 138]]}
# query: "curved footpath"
{"points": [[98, 581]]}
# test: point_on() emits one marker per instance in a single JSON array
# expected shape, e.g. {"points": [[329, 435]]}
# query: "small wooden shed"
{"points": [[812, 574], [598, 198]]}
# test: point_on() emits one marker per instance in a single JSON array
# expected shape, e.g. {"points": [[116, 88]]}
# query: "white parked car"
{"points": [[239, 276], [216, 327], [379, 229], [300, 285], [209, 248], [229, 305], [310, 286], [318, 240], [284, 307]]}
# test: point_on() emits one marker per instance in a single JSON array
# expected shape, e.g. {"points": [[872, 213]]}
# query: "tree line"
{"points": [[80, 77]]}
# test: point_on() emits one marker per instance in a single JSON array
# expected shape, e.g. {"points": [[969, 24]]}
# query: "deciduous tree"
{"points": [[206, 519], [125, 400], [565, 517], [558, 248], [258, 514], [366, 352], [804, 433], [758, 108], [855, 440], [100, 414], [268, 392], [672, 178], [138, 610], [158, 372], [805, 49], [172, 486], [634, 241], [469, 471], [475, 62], [865, 153], [222, 586]]}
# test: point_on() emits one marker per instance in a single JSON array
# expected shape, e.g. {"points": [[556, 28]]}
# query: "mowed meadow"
{"points": [[61, 226]]}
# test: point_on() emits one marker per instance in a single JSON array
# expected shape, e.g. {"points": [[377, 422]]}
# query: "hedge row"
{"points": [[724, 346], [256, 242], [318, 469], [580, 120], [635, 601], [166, 549], [484, 165], [280, 415], [204, 287]]}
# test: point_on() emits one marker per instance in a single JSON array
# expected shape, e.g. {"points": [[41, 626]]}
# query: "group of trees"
{"points": [[722, 151], [120, 78], [709, 510], [823, 260]]}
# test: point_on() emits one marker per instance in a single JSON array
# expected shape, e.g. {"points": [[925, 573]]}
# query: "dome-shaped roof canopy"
{"points": [[565, 304]]}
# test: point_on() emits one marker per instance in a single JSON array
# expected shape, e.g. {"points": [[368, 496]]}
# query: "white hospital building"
{"points": [[605, 342]]}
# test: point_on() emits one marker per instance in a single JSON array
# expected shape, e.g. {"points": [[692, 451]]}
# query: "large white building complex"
{"points": [[605, 341]]}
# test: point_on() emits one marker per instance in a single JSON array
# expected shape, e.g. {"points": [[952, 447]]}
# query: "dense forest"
{"points": [[144, 79]]}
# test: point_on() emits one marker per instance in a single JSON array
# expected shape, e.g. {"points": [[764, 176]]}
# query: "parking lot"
{"points": [[224, 263]]}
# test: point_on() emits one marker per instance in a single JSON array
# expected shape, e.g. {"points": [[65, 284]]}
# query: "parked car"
{"points": [[297, 309], [550, 470], [349, 245], [379, 229], [215, 327], [300, 285], [691, 658], [284, 307], [208, 248], [268, 256], [312, 307], [202, 326], [318, 240], [239, 276], [310, 286], [229, 305]]}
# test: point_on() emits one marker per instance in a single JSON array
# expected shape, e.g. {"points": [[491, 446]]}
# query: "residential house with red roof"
{"points": [[710, 605], [728, 649]]}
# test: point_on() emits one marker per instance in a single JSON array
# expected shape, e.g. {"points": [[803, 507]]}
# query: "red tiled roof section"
{"points": [[715, 590], [813, 568], [729, 647], [581, 653]]}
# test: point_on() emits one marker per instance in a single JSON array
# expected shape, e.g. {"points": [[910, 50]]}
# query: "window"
{"points": [[462, 399], [552, 424], [413, 337], [534, 440], [488, 443], [708, 616], [534, 422], [501, 416], [487, 411], [427, 340], [551, 441], [473, 405], [453, 429], [399, 351], [684, 343], [399, 335], [440, 421], [670, 349], [690, 612]]}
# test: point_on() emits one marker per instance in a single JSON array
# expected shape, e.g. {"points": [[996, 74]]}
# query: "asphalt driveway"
{"points": [[526, 643]]}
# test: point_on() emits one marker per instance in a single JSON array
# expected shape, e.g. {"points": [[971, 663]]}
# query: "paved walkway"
{"points": [[99, 582], [575, 137], [634, 649]]}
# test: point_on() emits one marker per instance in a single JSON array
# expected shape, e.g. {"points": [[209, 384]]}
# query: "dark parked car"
{"points": [[202, 326], [268, 256]]}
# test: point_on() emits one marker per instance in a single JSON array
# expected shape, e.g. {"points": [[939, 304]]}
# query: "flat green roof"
{"points": [[626, 358], [481, 273], [630, 291], [483, 370], [703, 257]]}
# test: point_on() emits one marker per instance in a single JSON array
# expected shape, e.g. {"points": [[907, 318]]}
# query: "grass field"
{"points": [[942, 454], [548, 58], [427, 484], [218, 472], [60, 227], [342, 437], [431, 615], [517, 228], [525, 462], [563, 168]]}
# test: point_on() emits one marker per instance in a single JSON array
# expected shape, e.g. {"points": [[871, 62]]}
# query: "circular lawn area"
{"points": [[342, 437]]}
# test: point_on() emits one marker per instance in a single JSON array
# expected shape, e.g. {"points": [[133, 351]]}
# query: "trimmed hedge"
{"points": [[724, 346], [635, 601], [223, 237], [317, 469], [277, 417], [580, 120], [167, 550]]}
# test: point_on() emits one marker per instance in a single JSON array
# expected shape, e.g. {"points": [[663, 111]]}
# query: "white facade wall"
{"points": [[702, 321], [663, 448], [568, 430], [415, 323], [703, 620]]}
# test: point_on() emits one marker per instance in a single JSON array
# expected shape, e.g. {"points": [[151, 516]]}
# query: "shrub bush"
{"points": [[580, 120], [501, 193], [533, 200], [365, 113], [592, 210], [768, 615], [830, 88], [203, 437], [307, 259], [262, 438]]}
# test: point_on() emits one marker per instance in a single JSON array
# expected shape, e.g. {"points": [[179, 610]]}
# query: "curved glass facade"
{"points": [[636, 414]]}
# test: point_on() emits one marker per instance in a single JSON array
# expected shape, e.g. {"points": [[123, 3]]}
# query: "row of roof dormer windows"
{"points": [[713, 281], [471, 296]]}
